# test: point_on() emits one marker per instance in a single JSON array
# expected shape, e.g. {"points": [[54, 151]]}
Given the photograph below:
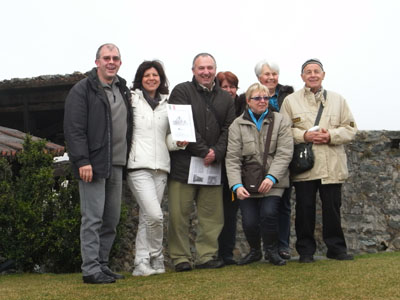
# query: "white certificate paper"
{"points": [[201, 174], [180, 119]]}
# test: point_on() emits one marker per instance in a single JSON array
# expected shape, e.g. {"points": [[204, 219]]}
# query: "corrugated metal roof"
{"points": [[11, 141]]}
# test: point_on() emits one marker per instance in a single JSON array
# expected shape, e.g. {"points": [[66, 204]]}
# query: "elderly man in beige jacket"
{"points": [[336, 128]]}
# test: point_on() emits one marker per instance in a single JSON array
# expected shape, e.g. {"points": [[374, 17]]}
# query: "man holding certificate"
{"points": [[213, 112]]}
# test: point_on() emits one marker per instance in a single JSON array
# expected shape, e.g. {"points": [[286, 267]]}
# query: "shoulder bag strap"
{"points": [[268, 140], [321, 108]]}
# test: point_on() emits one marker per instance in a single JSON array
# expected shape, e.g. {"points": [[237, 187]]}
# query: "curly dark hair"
{"points": [[143, 67]]}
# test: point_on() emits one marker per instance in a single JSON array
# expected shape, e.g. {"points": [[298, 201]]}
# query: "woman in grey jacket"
{"points": [[149, 163], [246, 143]]}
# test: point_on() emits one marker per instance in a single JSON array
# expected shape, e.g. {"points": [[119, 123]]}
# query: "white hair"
{"points": [[260, 65]]}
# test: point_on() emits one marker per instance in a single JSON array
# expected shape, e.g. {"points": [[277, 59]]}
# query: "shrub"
{"points": [[39, 225], [40, 214]]}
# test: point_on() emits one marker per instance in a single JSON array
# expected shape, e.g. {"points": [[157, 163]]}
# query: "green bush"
{"points": [[39, 216]]}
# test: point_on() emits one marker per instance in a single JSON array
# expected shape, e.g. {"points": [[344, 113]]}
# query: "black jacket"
{"points": [[284, 90], [88, 125], [213, 112]]}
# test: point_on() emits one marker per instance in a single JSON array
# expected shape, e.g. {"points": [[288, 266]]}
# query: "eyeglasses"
{"points": [[259, 98], [109, 58]]}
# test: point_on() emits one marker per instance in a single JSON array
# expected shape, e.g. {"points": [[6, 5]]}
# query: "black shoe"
{"points": [[340, 256], [253, 256], [98, 278], [110, 273], [266, 256], [212, 264], [275, 259], [183, 267], [306, 259], [284, 254], [229, 261]]}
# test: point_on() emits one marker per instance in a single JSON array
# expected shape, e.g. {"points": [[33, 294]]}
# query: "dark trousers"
{"points": [[284, 211], [332, 232], [260, 219], [227, 238]]}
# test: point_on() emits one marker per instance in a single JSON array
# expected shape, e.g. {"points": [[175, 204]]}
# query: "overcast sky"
{"points": [[356, 40]]}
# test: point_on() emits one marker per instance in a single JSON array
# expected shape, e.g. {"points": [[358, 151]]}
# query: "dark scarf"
{"points": [[152, 102]]}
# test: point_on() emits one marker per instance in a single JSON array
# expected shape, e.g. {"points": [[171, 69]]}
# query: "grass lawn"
{"points": [[373, 276]]}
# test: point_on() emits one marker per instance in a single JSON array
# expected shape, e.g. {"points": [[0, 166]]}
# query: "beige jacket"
{"points": [[246, 143], [330, 159]]}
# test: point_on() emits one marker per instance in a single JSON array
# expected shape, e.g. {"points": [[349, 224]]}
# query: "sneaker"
{"points": [[157, 264], [143, 269]]}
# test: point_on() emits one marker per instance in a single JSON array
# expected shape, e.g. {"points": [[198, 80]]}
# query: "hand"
{"points": [[242, 193], [182, 143], [86, 173], [310, 135], [210, 157], [265, 186], [323, 137]]}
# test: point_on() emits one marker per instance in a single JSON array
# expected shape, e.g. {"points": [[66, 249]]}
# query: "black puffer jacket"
{"points": [[88, 125], [284, 90], [211, 124]]}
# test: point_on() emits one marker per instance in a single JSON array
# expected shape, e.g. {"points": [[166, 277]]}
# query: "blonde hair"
{"points": [[256, 87]]}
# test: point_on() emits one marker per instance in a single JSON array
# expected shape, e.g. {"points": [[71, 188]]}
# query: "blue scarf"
{"points": [[260, 119]]}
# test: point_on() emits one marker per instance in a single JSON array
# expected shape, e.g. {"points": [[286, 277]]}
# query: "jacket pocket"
{"points": [[334, 121], [249, 147]]}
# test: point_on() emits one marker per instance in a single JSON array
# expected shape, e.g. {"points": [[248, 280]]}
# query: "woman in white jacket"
{"points": [[149, 163]]}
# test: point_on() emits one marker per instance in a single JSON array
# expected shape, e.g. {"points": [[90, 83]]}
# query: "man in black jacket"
{"points": [[213, 112], [98, 131]]}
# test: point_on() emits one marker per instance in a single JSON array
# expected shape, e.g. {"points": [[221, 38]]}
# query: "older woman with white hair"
{"points": [[268, 74]]}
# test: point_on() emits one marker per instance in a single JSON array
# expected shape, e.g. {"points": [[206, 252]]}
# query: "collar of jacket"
{"points": [[139, 93], [200, 89], [95, 81], [247, 117], [318, 96]]}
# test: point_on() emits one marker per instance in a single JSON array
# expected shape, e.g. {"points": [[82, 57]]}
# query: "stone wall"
{"points": [[370, 203]]}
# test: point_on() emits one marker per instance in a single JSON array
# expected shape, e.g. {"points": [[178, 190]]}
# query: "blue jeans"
{"points": [[260, 220]]}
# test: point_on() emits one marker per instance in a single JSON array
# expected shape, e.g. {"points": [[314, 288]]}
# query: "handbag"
{"points": [[303, 158], [303, 155], [253, 172]]}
